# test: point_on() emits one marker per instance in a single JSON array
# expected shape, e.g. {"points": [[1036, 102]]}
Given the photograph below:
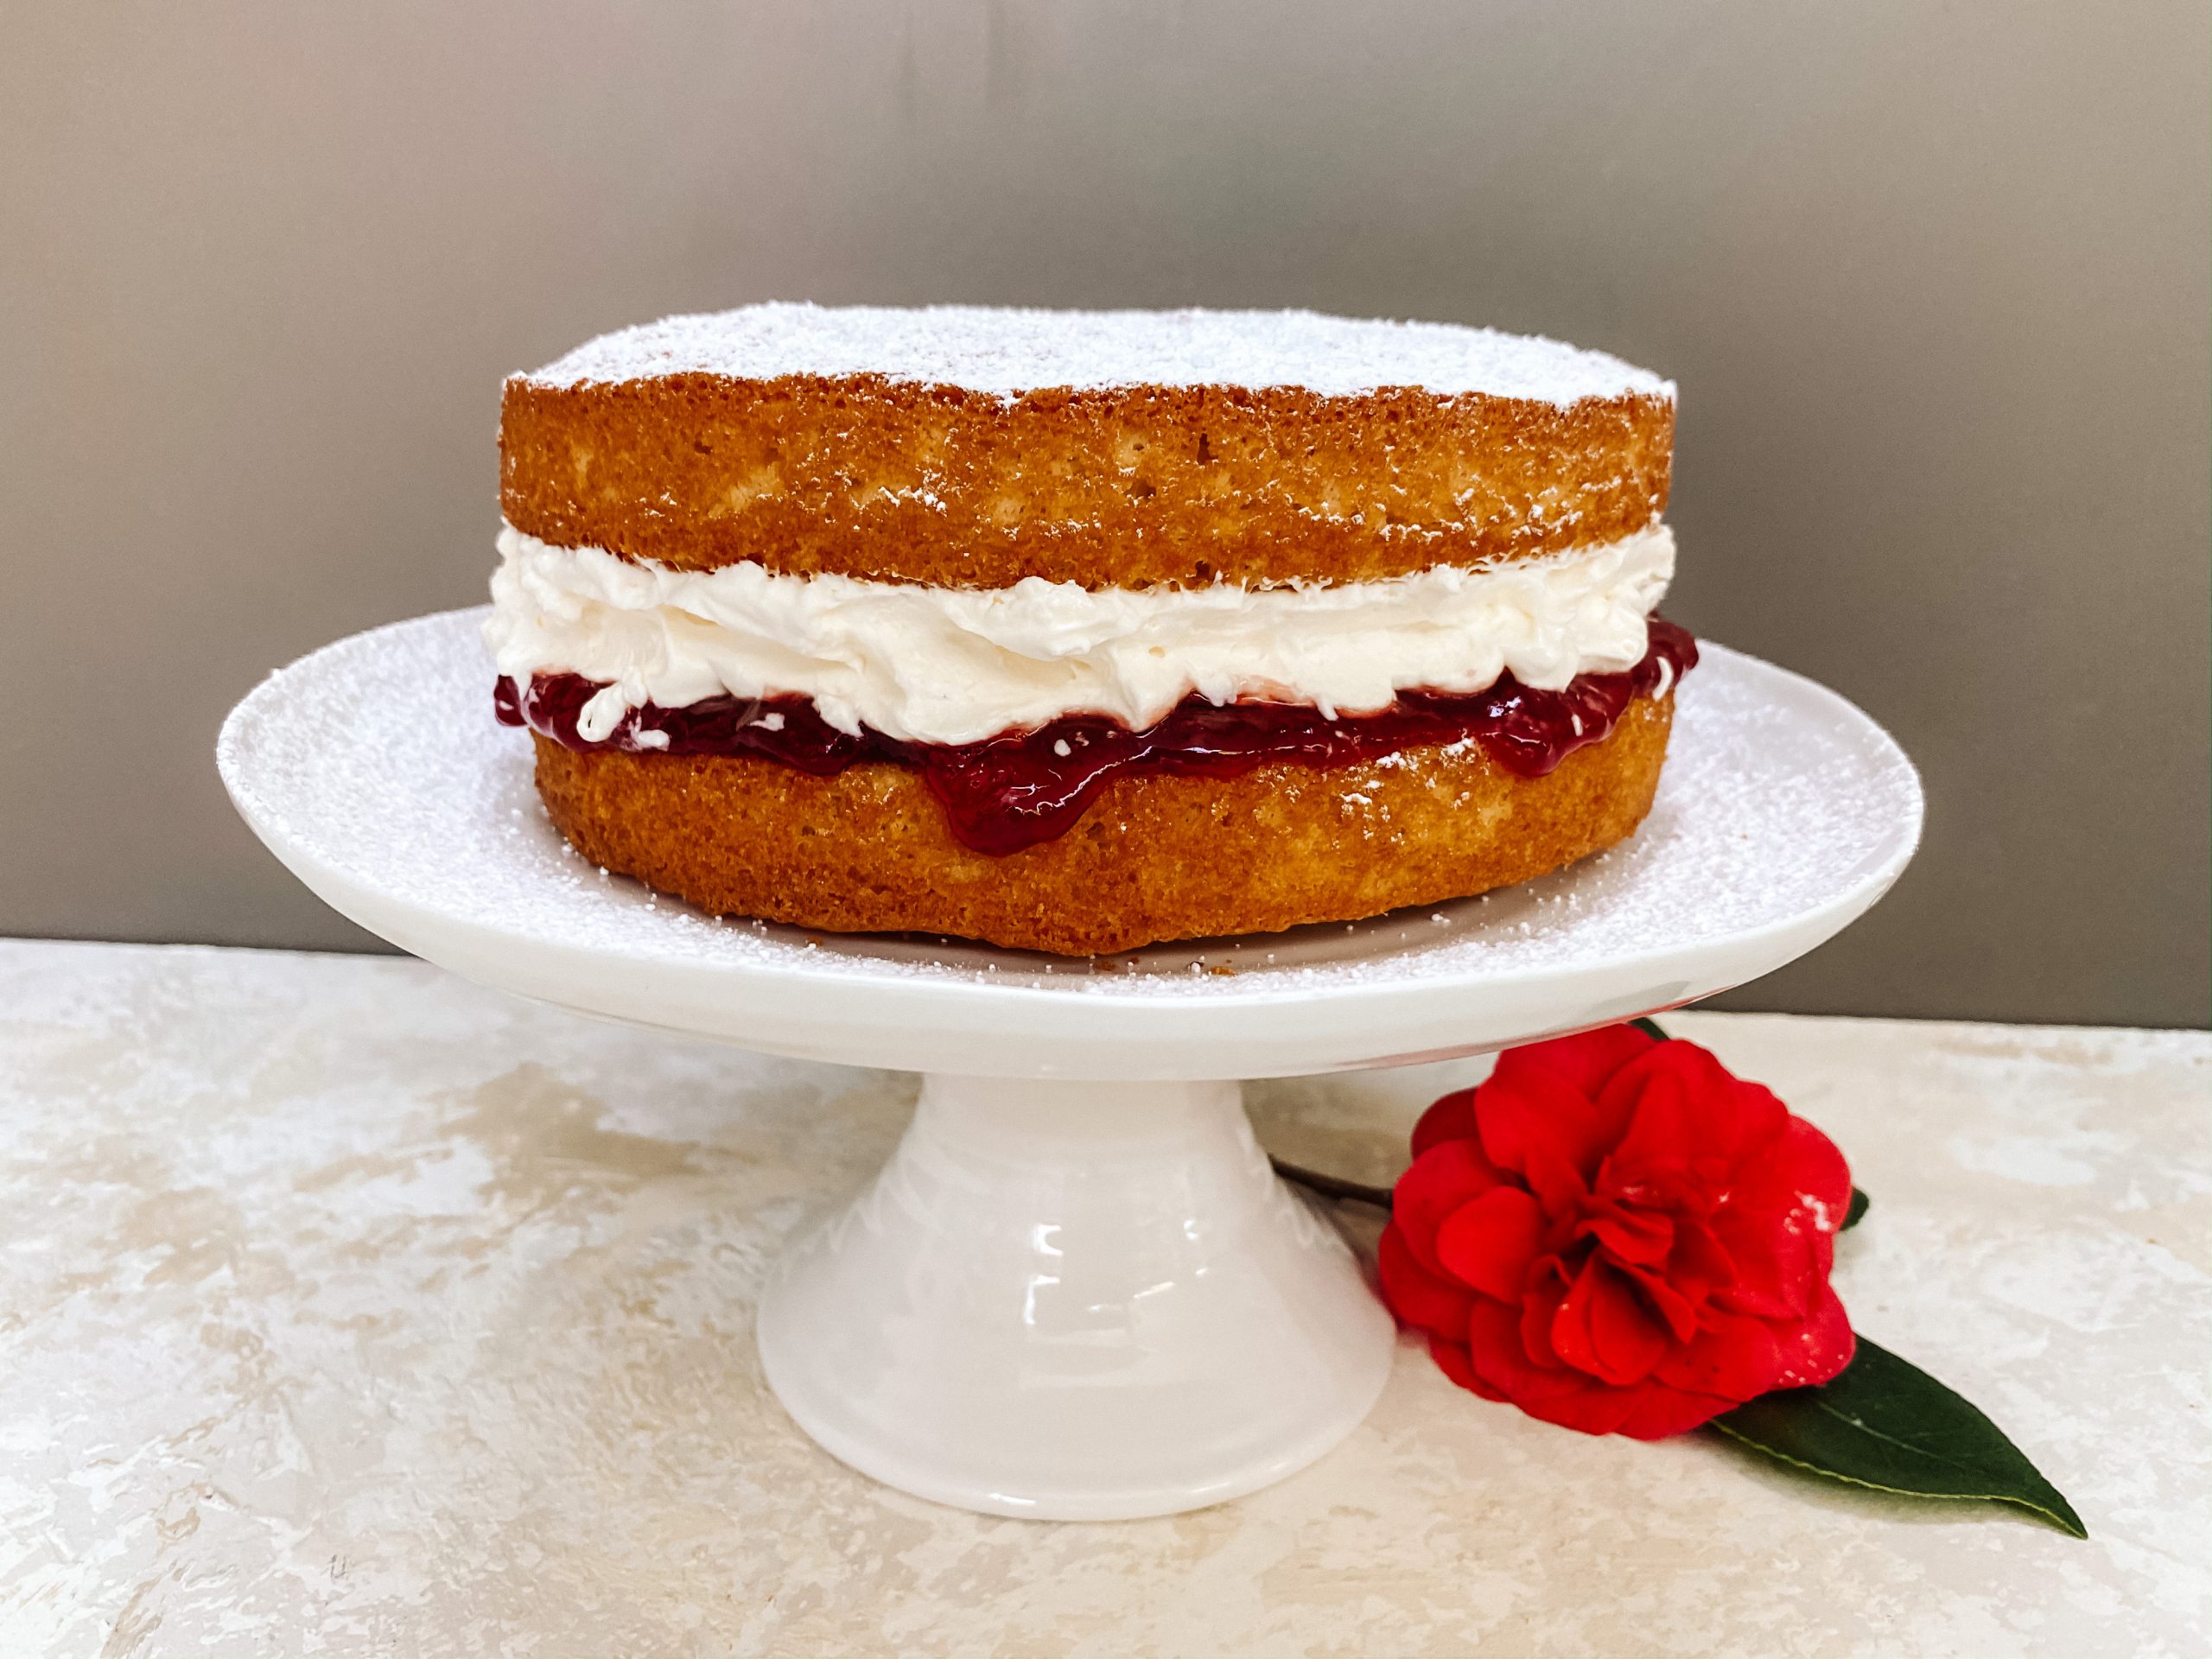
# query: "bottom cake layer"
{"points": [[1155, 857]]}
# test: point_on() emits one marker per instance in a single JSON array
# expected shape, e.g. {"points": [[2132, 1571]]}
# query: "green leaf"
{"points": [[1650, 1028], [1887, 1424]]}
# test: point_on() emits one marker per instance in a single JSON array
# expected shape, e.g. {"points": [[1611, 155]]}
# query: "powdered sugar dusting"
{"points": [[1005, 351], [379, 756]]}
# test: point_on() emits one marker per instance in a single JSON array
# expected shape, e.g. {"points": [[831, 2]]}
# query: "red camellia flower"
{"points": [[1616, 1235]]}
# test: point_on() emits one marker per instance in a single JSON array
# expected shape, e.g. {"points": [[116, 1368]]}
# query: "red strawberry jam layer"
{"points": [[1020, 788]]}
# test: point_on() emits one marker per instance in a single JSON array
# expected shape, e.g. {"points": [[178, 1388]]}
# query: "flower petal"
{"points": [[1450, 1118], [1417, 1296], [1678, 1312], [1602, 1327], [1691, 1122], [1548, 1288], [1451, 1358], [1732, 1357], [1665, 1097], [1558, 1394], [1492, 1242], [1540, 1128], [1584, 1062], [1447, 1175], [1778, 1221], [1699, 1265], [1818, 1348], [1660, 1411], [1550, 1096], [1627, 1233]]}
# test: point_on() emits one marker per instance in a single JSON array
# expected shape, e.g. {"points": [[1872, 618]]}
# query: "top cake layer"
{"points": [[963, 447], [1007, 351]]}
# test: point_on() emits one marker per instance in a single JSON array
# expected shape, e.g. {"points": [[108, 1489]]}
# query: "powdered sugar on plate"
{"points": [[378, 758], [1006, 352]]}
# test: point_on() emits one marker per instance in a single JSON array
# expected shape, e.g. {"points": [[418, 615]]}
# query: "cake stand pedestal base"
{"points": [[1075, 1301]]}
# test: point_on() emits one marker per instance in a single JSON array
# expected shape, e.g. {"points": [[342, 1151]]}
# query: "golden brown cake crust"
{"points": [[864, 476], [1155, 857]]}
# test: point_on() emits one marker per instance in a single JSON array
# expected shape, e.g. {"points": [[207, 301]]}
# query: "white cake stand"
{"points": [[1075, 1291]]}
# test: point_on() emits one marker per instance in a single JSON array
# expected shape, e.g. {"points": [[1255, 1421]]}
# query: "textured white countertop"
{"points": [[348, 1309]]}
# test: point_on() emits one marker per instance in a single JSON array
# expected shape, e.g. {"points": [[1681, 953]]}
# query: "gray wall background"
{"points": [[1932, 279]]}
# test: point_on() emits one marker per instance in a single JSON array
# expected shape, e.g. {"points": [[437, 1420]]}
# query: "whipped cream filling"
{"points": [[955, 665]]}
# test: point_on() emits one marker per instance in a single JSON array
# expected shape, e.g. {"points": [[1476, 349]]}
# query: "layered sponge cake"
{"points": [[1078, 631]]}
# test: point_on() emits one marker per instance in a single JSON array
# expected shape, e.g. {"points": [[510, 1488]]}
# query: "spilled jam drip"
{"points": [[1020, 788]]}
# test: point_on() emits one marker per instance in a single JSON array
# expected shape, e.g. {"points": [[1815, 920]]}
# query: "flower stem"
{"points": [[1332, 1186]]}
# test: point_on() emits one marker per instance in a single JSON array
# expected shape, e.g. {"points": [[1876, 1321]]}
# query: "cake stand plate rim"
{"points": [[1240, 1021]]}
